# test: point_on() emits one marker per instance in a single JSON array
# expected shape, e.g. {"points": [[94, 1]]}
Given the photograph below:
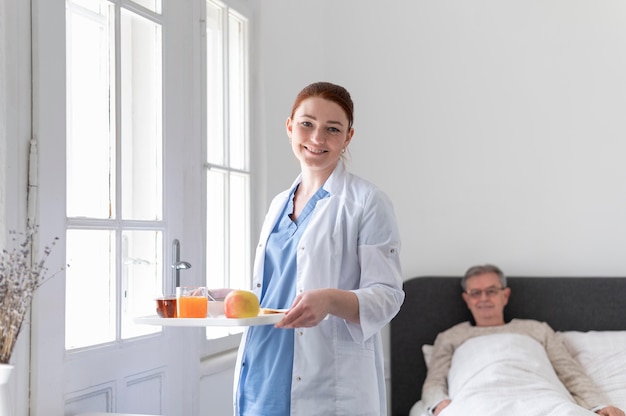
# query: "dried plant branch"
{"points": [[20, 276]]}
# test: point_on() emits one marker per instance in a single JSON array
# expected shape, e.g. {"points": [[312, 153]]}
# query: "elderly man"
{"points": [[486, 294]]}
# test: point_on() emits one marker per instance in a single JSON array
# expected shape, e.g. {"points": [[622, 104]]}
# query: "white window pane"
{"points": [[141, 118], [216, 272], [239, 231], [142, 278], [215, 85], [153, 5], [237, 97], [90, 138], [90, 288], [94, 6]]}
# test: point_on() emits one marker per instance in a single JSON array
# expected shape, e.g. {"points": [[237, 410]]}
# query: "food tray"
{"points": [[268, 319]]}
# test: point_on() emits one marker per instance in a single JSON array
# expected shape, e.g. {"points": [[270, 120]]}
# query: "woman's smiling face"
{"points": [[319, 131]]}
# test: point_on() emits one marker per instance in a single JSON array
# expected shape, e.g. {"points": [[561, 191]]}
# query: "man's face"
{"points": [[486, 299]]}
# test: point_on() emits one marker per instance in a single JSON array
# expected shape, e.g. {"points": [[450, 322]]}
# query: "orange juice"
{"points": [[192, 306]]}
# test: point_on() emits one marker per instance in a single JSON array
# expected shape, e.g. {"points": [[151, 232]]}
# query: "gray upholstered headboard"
{"points": [[433, 304]]}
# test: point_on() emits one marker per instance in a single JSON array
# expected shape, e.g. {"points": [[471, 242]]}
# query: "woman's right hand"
{"points": [[311, 307]]}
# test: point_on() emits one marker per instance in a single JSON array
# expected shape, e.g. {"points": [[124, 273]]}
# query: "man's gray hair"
{"points": [[482, 269]]}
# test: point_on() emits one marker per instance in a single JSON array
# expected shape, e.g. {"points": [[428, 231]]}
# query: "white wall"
{"points": [[15, 122], [3, 129], [497, 128]]}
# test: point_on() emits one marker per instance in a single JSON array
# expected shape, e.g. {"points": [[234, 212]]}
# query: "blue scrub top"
{"points": [[266, 369]]}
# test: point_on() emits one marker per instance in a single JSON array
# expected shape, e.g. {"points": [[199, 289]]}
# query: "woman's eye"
{"points": [[306, 124], [334, 130]]}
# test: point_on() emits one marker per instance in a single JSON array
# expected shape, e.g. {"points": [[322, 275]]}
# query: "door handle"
{"points": [[177, 264]]}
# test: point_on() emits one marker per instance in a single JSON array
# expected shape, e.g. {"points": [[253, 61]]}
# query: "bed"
{"points": [[582, 309]]}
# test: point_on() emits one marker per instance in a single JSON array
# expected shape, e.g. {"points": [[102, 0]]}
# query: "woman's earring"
{"points": [[343, 150]]}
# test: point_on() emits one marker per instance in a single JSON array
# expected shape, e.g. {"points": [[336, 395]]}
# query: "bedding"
{"points": [[581, 308], [602, 355], [506, 374]]}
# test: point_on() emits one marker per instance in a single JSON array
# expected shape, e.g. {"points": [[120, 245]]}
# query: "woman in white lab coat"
{"points": [[329, 252]]}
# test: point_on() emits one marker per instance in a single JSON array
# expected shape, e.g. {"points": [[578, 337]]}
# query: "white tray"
{"points": [[209, 321]]}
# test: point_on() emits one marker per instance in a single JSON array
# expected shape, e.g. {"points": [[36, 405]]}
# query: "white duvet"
{"points": [[506, 374]]}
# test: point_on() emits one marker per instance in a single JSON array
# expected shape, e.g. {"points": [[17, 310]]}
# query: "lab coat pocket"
{"points": [[357, 384]]}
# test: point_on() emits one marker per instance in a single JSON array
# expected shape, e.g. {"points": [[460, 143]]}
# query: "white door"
{"points": [[117, 193]]}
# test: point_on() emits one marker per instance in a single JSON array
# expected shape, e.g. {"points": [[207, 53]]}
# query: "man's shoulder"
{"points": [[467, 327]]}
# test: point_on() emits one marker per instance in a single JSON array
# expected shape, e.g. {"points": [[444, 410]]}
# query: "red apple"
{"points": [[241, 304]]}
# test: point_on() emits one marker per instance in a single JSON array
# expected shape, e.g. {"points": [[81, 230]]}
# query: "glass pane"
{"points": [[90, 120], [236, 94], [239, 232], [90, 288], [142, 278], [153, 5], [216, 233], [141, 115], [93, 6], [215, 87], [216, 275]]}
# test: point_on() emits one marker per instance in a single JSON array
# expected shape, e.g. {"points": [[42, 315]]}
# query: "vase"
{"points": [[5, 397]]}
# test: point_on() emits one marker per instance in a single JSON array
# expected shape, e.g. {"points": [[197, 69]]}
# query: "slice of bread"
{"points": [[269, 311]]}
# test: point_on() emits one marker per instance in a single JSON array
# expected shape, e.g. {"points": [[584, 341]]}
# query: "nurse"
{"points": [[329, 252]]}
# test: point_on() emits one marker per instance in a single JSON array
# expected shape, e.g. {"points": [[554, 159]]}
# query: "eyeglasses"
{"points": [[478, 293]]}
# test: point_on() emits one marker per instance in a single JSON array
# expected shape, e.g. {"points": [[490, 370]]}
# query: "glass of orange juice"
{"points": [[192, 301]]}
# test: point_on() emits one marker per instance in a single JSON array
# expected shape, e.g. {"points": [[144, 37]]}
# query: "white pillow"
{"points": [[603, 356], [427, 350], [418, 410]]}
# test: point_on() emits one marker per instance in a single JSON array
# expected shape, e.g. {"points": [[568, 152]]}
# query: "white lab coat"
{"points": [[352, 243]]}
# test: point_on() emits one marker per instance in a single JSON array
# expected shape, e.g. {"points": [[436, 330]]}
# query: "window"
{"points": [[227, 151], [114, 169], [116, 228]]}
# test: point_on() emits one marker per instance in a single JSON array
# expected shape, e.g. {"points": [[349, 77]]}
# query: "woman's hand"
{"points": [[310, 308]]}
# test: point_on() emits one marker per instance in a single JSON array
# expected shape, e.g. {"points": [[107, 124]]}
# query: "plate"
{"points": [[268, 319]]}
